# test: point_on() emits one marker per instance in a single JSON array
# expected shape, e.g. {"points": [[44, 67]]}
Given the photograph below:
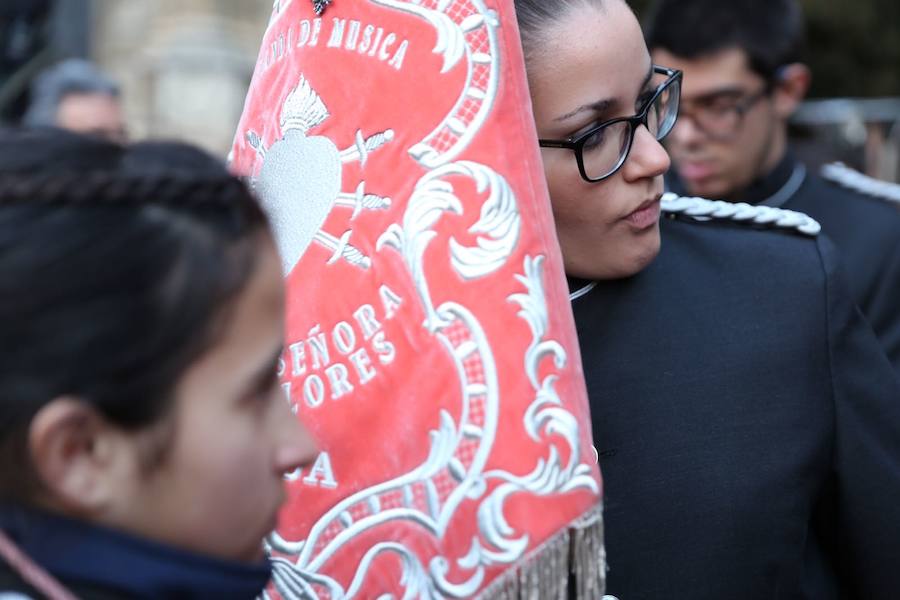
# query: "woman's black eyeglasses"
{"points": [[603, 149]]}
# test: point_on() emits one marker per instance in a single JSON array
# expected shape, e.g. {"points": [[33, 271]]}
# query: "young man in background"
{"points": [[743, 80]]}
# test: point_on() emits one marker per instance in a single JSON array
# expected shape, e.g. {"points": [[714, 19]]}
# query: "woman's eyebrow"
{"points": [[599, 107]]}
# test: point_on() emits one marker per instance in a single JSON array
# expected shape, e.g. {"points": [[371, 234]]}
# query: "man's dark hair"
{"points": [[117, 266], [770, 32]]}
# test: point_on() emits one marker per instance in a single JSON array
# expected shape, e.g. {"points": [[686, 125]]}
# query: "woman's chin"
{"points": [[645, 253], [620, 261]]}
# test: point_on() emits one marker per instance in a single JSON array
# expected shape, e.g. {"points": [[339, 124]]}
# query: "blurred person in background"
{"points": [[743, 80], [144, 433], [76, 95]]}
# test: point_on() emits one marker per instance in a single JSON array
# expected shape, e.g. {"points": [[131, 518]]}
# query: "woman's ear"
{"points": [[75, 453], [791, 86]]}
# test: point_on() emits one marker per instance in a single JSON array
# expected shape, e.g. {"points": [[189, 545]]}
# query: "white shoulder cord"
{"points": [[702, 209], [741, 212], [854, 180]]}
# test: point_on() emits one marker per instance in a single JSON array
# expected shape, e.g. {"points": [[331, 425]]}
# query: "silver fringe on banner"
{"points": [[569, 566]]}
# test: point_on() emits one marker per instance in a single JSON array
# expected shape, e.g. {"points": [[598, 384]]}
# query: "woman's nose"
{"points": [[648, 158]]}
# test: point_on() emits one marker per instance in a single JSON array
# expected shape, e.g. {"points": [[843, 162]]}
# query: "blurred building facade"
{"points": [[184, 65]]}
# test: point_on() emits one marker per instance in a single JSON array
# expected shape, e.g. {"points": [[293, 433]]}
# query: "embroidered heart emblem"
{"points": [[299, 171]]}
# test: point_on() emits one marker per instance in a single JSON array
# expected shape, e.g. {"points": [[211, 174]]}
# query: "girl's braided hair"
{"points": [[98, 188], [117, 265]]}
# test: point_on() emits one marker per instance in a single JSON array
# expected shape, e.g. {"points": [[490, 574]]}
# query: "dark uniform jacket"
{"points": [[865, 229], [747, 422], [95, 563]]}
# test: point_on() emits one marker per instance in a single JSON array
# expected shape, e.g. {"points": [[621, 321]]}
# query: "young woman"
{"points": [[747, 422], [143, 432]]}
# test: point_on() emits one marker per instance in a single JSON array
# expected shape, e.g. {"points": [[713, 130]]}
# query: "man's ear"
{"points": [[74, 450], [791, 85]]}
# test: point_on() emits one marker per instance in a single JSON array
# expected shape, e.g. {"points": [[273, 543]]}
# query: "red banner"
{"points": [[430, 344]]}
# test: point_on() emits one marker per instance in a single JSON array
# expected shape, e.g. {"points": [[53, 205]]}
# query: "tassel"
{"points": [[569, 566]]}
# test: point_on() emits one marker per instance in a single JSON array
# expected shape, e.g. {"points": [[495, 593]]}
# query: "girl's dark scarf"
{"points": [[82, 555]]}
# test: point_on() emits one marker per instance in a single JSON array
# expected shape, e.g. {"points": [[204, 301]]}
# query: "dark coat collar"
{"points": [[579, 287], [778, 186]]}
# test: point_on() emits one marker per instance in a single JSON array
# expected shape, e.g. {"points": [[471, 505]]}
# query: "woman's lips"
{"points": [[646, 215]]}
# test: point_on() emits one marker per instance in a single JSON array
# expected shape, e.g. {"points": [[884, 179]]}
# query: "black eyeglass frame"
{"points": [[576, 144]]}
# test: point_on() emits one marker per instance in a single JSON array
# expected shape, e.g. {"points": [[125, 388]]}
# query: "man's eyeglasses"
{"points": [[603, 149], [719, 116]]}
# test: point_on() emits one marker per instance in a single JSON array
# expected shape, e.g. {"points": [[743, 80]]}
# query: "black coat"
{"points": [[747, 421], [865, 229]]}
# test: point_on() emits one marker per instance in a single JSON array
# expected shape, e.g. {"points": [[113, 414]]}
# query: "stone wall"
{"points": [[184, 65]]}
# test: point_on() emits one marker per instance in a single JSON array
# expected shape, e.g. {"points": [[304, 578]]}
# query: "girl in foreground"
{"points": [[143, 431], [748, 423]]}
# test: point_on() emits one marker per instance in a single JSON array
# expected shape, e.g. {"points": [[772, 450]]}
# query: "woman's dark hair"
{"points": [[770, 32], [535, 16], [116, 266]]}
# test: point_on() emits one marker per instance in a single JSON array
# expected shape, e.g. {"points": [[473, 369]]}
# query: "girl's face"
{"points": [[220, 483], [593, 66]]}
